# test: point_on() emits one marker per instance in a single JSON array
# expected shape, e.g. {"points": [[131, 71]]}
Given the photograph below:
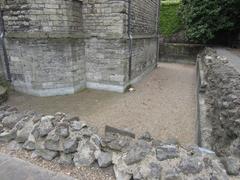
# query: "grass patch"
{"points": [[170, 21]]}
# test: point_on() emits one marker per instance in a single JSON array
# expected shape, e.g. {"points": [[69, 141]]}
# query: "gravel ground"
{"points": [[164, 104]]}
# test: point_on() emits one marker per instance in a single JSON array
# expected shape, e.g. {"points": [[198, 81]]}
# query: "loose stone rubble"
{"points": [[220, 108], [71, 141]]}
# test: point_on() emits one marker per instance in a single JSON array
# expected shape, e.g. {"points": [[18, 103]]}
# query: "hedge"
{"points": [[170, 21]]}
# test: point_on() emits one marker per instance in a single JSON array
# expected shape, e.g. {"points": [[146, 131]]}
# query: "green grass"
{"points": [[170, 21]]}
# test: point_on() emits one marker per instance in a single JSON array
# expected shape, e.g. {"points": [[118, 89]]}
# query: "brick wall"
{"points": [[144, 25], [143, 17]]}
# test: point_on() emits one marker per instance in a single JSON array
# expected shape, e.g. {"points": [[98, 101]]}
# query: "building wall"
{"points": [[46, 66], [144, 25], [46, 56], [60, 46], [106, 51], [43, 16]]}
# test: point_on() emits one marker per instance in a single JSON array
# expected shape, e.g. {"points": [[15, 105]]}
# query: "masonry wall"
{"points": [[144, 27], [106, 50], [43, 16], [60, 46], [45, 45], [46, 66], [219, 97]]}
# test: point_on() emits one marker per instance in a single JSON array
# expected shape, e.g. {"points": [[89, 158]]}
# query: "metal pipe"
{"points": [[2, 43], [130, 40], [157, 30]]}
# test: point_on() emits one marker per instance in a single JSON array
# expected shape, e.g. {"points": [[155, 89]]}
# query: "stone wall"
{"points": [[179, 52], [60, 46], [46, 66], [143, 56], [106, 50], [144, 30], [143, 17], [43, 16], [219, 92]]}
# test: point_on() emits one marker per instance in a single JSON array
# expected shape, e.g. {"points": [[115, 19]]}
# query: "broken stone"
{"points": [[11, 120], [192, 165], [155, 171], [167, 152], [235, 147], [36, 118], [172, 175], [22, 134], [121, 132], [7, 136], [137, 152], [151, 170], [62, 130], [30, 144], [86, 132], [52, 142], [117, 142], [85, 154], [146, 136], [1, 128], [65, 159], [120, 175], [45, 125], [35, 131], [95, 139], [44, 153], [231, 165], [59, 116], [104, 159], [70, 145], [77, 125]]}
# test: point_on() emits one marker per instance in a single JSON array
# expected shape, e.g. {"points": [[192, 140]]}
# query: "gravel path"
{"points": [[163, 104]]}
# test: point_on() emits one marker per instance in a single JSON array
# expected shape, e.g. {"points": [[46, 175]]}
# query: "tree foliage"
{"points": [[203, 19]]}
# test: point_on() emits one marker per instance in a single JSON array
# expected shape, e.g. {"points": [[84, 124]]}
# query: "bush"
{"points": [[203, 19], [170, 22]]}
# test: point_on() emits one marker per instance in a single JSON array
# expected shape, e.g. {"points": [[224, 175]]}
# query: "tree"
{"points": [[203, 19]]}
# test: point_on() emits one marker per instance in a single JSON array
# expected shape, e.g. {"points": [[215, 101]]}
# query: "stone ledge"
{"points": [[78, 35], [45, 35], [51, 92]]}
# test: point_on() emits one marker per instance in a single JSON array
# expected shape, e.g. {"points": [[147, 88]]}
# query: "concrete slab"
{"points": [[16, 169]]}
